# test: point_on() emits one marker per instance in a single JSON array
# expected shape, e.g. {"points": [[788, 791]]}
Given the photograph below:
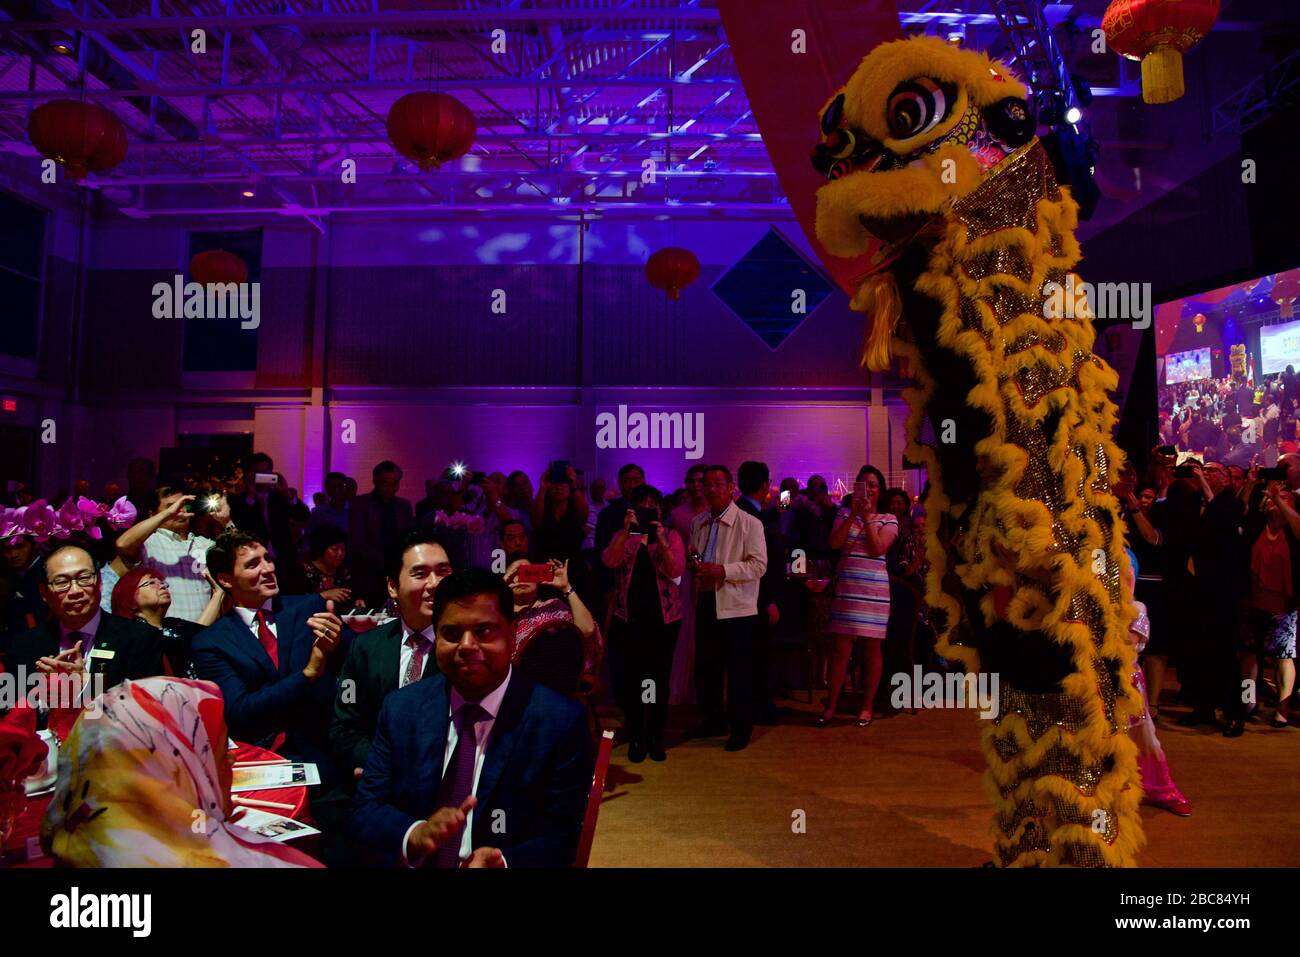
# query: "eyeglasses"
{"points": [[154, 583], [85, 580]]}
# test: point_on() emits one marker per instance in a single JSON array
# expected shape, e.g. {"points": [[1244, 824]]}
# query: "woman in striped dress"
{"points": [[860, 610]]}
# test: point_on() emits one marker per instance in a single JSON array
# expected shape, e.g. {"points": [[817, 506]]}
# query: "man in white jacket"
{"points": [[729, 557]]}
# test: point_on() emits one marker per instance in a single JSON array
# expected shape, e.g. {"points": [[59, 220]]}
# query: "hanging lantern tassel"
{"points": [[1158, 33], [1162, 75], [878, 297]]}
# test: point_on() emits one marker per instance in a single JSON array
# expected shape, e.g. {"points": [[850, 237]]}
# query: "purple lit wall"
{"points": [[797, 439], [388, 326]]}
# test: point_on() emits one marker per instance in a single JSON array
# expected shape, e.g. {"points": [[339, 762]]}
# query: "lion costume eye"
{"points": [[833, 116], [917, 107]]}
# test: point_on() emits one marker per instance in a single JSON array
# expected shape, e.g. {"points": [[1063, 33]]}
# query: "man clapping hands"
{"points": [[275, 658]]}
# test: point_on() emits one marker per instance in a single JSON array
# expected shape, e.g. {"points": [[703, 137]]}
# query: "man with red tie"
{"points": [[392, 656], [276, 659]]}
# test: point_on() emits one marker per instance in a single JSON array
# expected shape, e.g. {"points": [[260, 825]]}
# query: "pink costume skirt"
{"points": [[1157, 783]]}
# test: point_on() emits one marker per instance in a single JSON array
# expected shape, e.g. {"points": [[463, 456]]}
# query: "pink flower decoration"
{"points": [[37, 520], [68, 520], [122, 514], [90, 509], [9, 525]]}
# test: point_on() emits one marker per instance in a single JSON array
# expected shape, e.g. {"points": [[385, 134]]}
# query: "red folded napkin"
{"points": [[22, 753]]}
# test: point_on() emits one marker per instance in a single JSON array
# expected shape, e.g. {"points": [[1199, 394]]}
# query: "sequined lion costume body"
{"points": [[930, 150]]}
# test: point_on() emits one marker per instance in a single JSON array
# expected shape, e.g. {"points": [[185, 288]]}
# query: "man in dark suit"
{"points": [[755, 482], [478, 766], [265, 512], [393, 655], [274, 658], [21, 607], [80, 638], [377, 522]]}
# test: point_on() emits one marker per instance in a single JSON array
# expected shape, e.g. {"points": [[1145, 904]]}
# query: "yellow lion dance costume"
{"points": [[931, 150]]}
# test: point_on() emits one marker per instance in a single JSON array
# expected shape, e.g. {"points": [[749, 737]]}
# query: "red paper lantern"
{"points": [[217, 265], [1286, 289], [1158, 32], [82, 137], [431, 128], [672, 269]]}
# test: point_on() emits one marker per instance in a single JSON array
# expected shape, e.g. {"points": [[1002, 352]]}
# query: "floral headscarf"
{"points": [[143, 783]]}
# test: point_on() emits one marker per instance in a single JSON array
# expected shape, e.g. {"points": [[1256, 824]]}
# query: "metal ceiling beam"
{"points": [[461, 83], [622, 73], [596, 36], [316, 140], [391, 20], [124, 60], [773, 210], [179, 179], [1277, 88], [407, 19]]}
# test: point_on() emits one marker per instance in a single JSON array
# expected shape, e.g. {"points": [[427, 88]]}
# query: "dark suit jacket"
{"points": [[261, 701], [278, 533], [365, 546], [25, 608], [136, 647], [371, 667], [249, 518], [773, 580], [537, 771]]}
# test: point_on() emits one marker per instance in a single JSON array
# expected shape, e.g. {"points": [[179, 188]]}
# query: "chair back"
{"points": [[593, 799], [554, 658]]}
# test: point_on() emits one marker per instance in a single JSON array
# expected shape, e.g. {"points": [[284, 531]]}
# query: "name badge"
{"points": [[105, 653]]}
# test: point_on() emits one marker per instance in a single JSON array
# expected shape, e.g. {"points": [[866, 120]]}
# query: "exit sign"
{"points": [[8, 404]]}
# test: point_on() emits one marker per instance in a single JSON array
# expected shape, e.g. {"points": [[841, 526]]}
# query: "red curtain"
{"points": [[787, 89]]}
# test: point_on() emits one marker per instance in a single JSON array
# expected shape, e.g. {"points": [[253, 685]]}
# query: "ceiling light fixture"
{"points": [[63, 43]]}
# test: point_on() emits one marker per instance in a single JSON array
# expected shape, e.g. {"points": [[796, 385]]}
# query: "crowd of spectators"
{"points": [[1231, 420], [1217, 555], [347, 631]]}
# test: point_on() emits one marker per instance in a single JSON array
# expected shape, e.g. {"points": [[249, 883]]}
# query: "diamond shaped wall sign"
{"points": [[772, 288]]}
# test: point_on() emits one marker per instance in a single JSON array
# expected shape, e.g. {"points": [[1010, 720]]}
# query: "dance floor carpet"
{"points": [[906, 792]]}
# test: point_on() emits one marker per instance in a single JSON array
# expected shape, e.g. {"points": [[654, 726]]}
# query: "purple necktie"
{"points": [[419, 646], [73, 639], [458, 779]]}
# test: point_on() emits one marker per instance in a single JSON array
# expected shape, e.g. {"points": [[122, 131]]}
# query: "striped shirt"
{"points": [[182, 561]]}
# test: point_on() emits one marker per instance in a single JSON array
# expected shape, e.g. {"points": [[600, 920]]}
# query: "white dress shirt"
{"points": [[407, 652], [182, 561], [492, 706], [249, 617]]}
